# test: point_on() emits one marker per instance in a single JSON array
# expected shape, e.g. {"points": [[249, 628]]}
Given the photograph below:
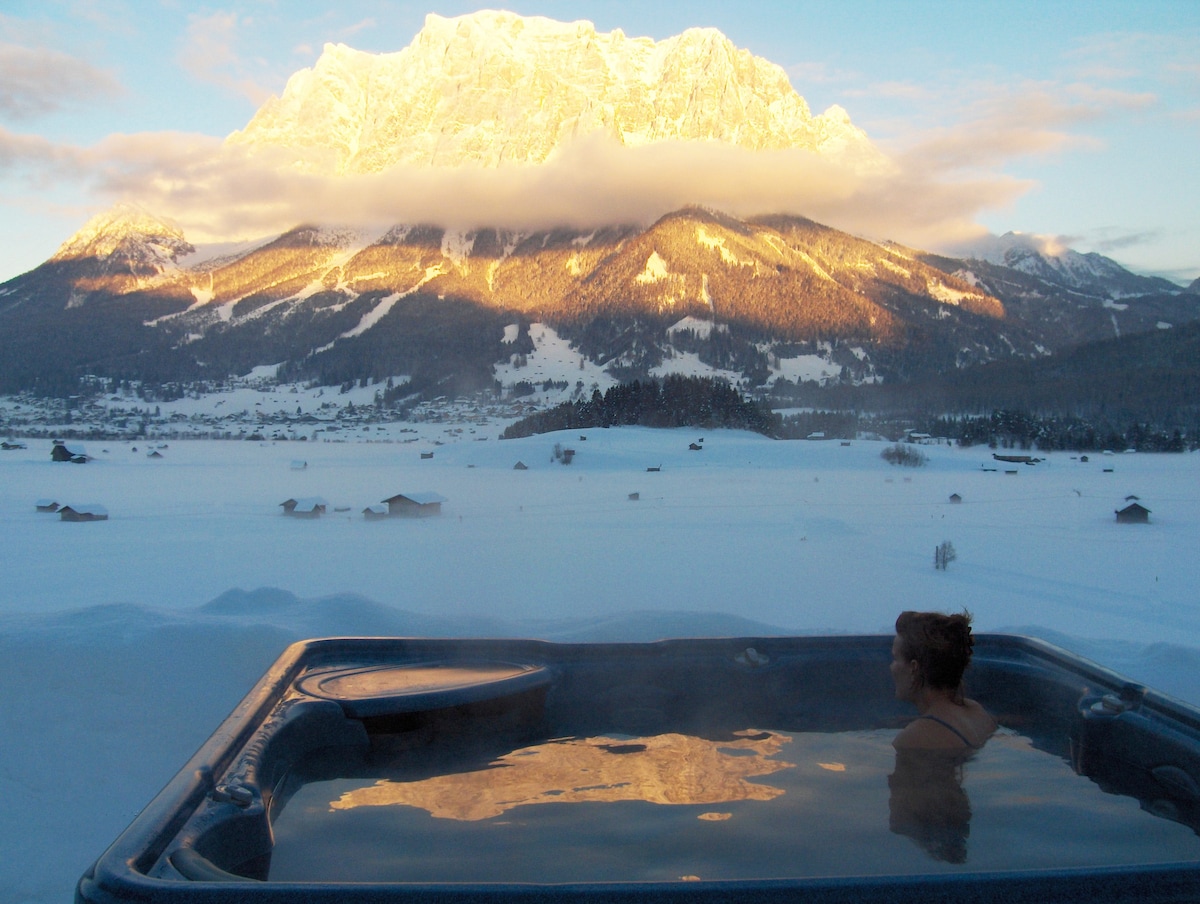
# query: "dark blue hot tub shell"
{"points": [[207, 836]]}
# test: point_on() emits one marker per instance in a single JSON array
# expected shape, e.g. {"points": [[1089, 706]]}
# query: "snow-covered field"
{"points": [[123, 643]]}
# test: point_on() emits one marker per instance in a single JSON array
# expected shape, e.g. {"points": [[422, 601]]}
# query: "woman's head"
{"points": [[940, 645]]}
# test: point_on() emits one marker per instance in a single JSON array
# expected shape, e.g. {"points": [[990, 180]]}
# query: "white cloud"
{"points": [[1003, 124], [37, 81], [363, 25], [209, 54], [221, 191]]}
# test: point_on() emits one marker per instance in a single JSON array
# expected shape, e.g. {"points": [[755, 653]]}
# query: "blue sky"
{"points": [[1079, 120]]}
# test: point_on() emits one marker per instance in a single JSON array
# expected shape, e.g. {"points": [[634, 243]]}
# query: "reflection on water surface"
{"points": [[755, 804], [660, 769]]}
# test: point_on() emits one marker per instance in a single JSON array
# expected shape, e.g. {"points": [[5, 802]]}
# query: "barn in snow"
{"points": [[306, 507], [89, 512], [415, 505], [62, 452], [1134, 513]]}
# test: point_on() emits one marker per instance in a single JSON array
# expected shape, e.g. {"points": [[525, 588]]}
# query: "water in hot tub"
{"points": [[752, 804]]}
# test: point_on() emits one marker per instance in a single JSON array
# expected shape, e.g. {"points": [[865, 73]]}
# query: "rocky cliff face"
{"points": [[493, 87]]}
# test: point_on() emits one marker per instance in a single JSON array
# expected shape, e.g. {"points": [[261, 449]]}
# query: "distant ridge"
{"points": [[1150, 378], [444, 308], [1048, 260]]}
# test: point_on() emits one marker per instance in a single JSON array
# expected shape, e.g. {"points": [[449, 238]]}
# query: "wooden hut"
{"points": [[46, 505], [414, 505], [62, 452], [305, 507], [1016, 459], [1134, 513], [89, 512], [375, 512]]}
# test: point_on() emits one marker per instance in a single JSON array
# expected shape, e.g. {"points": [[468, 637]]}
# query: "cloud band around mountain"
{"points": [[217, 191]]}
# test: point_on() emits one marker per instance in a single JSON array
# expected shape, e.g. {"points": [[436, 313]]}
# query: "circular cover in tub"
{"points": [[379, 690]]}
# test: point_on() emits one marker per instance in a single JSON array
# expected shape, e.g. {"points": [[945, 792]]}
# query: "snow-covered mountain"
{"points": [[494, 87], [741, 297], [1047, 259], [427, 302], [129, 297], [126, 241]]}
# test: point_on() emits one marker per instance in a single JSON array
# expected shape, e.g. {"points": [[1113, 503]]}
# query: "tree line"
{"points": [[1003, 428], [674, 401]]}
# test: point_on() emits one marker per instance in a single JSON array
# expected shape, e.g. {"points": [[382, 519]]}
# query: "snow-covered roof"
{"points": [[305, 503], [418, 498], [308, 505], [90, 508]]}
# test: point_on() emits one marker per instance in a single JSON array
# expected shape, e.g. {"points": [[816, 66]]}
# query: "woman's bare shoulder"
{"points": [[968, 725], [926, 734], [980, 717]]}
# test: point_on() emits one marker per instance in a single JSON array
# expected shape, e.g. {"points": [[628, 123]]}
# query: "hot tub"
{"points": [[700, 770]]}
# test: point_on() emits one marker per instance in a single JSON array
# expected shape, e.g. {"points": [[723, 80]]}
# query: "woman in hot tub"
{"points": [[929, 655]]}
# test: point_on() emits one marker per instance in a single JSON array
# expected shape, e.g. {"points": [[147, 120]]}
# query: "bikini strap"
{"points": [[962, 737]]}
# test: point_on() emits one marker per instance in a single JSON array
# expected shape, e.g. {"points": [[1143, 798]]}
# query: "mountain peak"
{"points": [[127, 239], [1048, 258], [494, 87]]}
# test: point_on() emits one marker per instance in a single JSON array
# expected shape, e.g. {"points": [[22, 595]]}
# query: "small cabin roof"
{"points": [[308, 505], [305, 500], [89, 508], [1133, 507], [426, 498]]}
